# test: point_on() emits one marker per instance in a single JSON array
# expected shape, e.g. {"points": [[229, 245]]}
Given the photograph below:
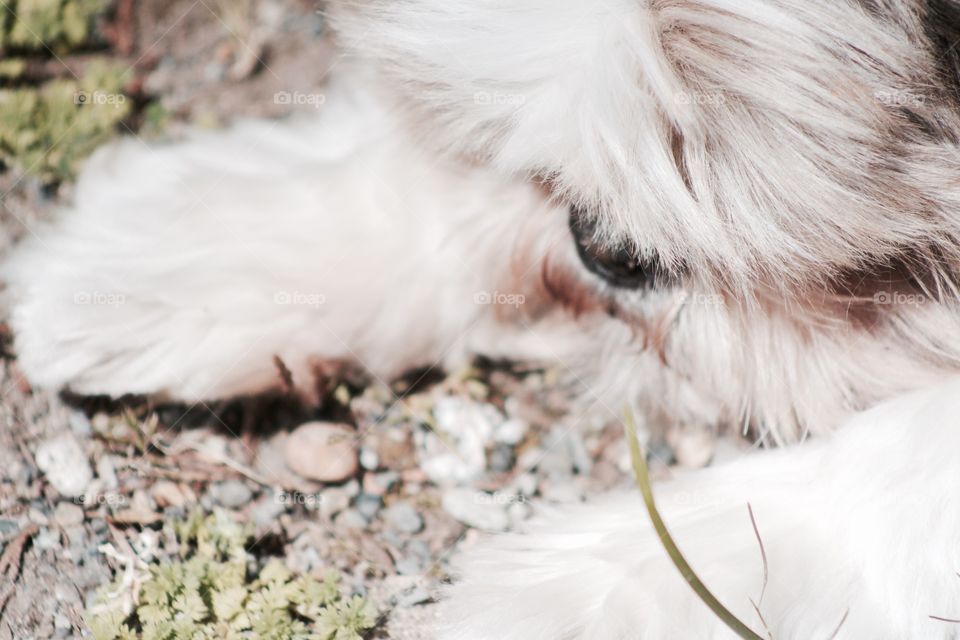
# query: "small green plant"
{"points": [[48, 127], [47, 131], [39, 24], [209, 593]]}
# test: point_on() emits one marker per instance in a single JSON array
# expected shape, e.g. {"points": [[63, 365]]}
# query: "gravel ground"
{"points": [[386, 483]]}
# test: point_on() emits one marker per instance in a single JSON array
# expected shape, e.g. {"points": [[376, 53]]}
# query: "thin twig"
{"points": [[836, 631], [951, 620], [763, 620], [10, 562]]}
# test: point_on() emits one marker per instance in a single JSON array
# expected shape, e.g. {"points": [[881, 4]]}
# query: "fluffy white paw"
{"points": [[859, 528], [593, 572]]}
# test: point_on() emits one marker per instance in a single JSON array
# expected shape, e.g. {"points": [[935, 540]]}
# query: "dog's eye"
{"points": [[619, 266]]}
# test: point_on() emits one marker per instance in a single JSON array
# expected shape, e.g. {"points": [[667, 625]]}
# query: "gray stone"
{"points": [[403, 517], [351, 519], [266, 511], [410, 566], [68, 514], [322, 451], [333, 501], [475, 509], [368, 505], [65, 464], [232, 493], [512, 432], [501, 458], [369, 459], [379, 484], [561, 491]]}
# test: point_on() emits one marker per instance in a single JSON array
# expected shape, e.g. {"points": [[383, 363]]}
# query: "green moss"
{"points": [[41, 24], [208, 593], [47, 131]]}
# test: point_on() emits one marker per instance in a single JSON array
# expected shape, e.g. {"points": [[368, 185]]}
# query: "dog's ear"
{"points": [[789, 141]]}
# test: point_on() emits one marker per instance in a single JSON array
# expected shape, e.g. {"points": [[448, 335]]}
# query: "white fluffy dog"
{"points": [[736, 212]]}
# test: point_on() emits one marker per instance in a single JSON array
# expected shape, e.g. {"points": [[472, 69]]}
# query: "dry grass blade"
{"points": [[763, 554], [643, 481]]}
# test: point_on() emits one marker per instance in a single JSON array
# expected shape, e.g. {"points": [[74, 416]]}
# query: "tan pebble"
{"points": [[692, 446], [322, 451]]}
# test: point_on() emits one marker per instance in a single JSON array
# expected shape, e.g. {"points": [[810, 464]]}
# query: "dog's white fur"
{"points": [[788, 160]]}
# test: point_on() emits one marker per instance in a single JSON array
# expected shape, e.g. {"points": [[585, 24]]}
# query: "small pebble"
{"points": [[562, 492], [79, 423], [512, 432], [526, 484], [232, 494], [68, 514], [106, 471], [403, 517], [46, 539], [419, 548], [8, 526], [379, 484], [409, 566], [369, 459], [368, 506], [65, 464], [351, 519], [475, 509], [501, 458], [322, 451], [169, 494], [555, 462], [693, 446], [266, 511], [333, 501]]}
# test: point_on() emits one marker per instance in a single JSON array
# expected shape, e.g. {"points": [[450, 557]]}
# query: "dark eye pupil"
{"points": [[619, 266]]}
